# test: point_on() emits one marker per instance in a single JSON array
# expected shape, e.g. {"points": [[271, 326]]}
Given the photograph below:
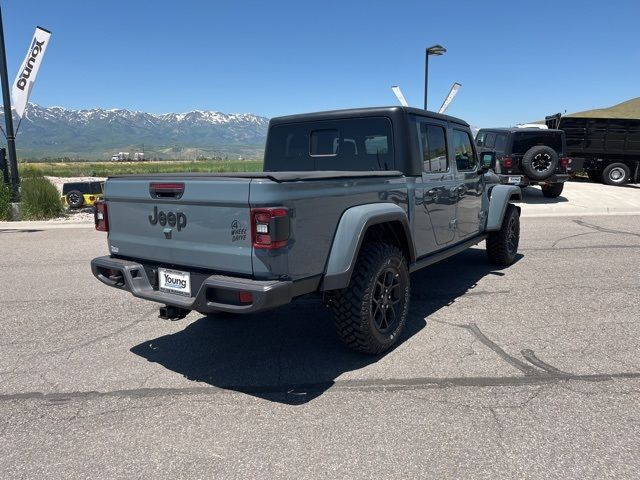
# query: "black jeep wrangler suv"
{"points": [[527, 156]]}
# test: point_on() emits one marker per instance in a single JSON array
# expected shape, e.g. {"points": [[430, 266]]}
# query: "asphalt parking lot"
{"points": [[531, 371]]}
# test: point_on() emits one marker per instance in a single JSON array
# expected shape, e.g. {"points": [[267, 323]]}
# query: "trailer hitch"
{"points": [[169, 312]]}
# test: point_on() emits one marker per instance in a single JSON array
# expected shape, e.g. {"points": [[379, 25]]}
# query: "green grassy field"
{"points": [[104, 169], [628, 109]]}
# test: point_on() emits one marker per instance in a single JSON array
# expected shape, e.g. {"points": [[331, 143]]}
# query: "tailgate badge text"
{"points": [[172, 219], [238, 231]]}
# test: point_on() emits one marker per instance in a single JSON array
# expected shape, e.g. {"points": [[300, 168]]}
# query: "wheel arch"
{"points": [[499, 197], [385, 222]]}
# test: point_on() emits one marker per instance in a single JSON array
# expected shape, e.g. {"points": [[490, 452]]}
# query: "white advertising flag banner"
{"points": [[452, 93], [27, 74], [398, 93]]}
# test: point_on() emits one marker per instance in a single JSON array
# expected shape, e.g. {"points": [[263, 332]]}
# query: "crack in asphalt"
{"points": [[594, 229], [499, 430], [531, 357], [520, 365], [601, 229], [589, 247], [469, 406], [569, 237], [71, 348], [374, 385]]}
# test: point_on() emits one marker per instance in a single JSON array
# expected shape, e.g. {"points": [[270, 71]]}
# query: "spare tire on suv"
{"points": [[75, 199], [540, 162]]}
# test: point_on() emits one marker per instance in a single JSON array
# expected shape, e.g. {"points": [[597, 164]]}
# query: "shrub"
{"points": [[5, 201], [40, 199], [29, 171]]}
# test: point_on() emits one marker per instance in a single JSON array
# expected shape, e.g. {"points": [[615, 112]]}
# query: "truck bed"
{"points": [[215, 212], [279, 177]]}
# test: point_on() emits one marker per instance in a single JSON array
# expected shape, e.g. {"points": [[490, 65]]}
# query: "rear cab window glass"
{"points": [[376, 144], [324, 143], [351, 144], [523, 141], [465, 158]]}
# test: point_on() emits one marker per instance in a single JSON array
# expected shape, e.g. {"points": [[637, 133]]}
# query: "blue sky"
{"points": [[517, 61]]}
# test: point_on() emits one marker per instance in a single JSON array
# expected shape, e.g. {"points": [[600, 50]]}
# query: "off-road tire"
{"points": [[594, 176], [552, 190], [358, 309], [616, 174], [75, 199], [540, 162], [502, 246]]}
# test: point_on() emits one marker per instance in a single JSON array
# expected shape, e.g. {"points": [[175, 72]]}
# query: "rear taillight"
{"points": [[269, 227], [507, 162], [245, 298], [565, 161], [100, 216]]}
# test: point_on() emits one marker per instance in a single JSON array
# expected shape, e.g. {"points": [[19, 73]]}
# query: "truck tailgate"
{"points": [[204, 226]]}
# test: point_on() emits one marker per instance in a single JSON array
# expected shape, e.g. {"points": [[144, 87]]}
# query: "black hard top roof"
{"points": [[517, 129], [393, 111]]}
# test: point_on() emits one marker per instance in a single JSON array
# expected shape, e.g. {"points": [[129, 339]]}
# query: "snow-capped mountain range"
{"points": [[97, 133]]}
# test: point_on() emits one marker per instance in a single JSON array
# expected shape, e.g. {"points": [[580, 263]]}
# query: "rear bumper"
{"points": [[213, 295], [524, 180]]}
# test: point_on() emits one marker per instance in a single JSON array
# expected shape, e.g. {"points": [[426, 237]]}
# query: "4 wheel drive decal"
{"points": [[238, 230]]}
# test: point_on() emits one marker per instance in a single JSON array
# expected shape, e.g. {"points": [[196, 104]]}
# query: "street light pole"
{"points": [[8, 118], [426, 77], [433, 50]]}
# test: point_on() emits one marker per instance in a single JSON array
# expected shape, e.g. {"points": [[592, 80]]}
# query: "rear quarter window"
{"points": [[490, 142], [501, 142]]}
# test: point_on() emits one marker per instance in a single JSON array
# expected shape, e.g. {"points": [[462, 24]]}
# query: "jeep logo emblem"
{"points": [[170, 218]]}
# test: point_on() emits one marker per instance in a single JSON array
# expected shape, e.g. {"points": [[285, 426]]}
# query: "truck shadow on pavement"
{"points": [[534, 196], [292, 355]]}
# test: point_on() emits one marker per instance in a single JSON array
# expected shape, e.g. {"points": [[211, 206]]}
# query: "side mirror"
{"points": [[487, 160]]}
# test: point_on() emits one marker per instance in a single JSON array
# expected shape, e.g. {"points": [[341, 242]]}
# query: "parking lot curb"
{"points": [[43, 225]]}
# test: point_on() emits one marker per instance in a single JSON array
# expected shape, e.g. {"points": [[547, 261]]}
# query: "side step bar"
{"points": [[446, 253]]}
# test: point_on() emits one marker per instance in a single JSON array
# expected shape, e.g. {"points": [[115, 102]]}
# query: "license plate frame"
{"points": [[514, 180], [175, 282]]}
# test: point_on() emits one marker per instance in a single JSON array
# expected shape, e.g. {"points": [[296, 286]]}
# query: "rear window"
{"points": [[324, 143], [490, 142], [523, 141], [86, 188], [360, 144]]}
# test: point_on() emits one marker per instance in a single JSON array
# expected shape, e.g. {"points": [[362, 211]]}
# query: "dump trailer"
{"points": [[609, 147]]}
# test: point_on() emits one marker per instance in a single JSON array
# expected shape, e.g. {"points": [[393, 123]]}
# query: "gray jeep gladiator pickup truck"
{"points": [[349, 203]]}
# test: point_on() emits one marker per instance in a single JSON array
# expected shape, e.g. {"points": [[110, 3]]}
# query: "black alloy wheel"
{"points": [[386, 300]]}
